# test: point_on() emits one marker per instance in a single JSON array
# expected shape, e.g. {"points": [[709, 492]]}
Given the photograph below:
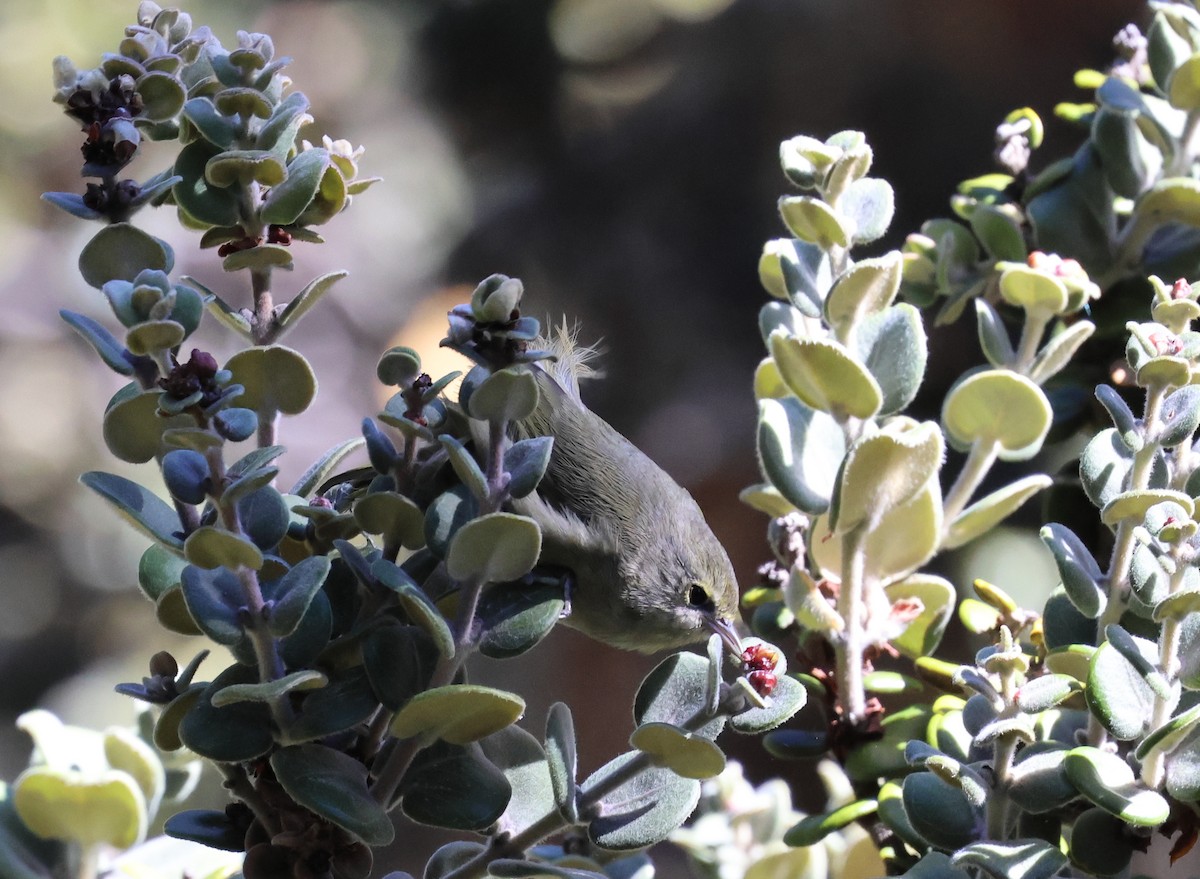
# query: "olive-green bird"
{"points": [[649, 574]]}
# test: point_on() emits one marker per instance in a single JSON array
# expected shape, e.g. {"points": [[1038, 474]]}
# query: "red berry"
{"points": [[760, 657], [763, 681]]}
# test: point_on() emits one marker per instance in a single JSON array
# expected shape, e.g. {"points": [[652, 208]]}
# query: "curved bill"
{"points": [[728, 633]]}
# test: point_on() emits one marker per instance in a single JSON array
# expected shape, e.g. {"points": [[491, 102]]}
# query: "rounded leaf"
{"points": [[264, 513], [287, 200], [457, 714], [446, 515], [1183, 86], [236, 424], [186, 475], [127, 752], [270, 691], [162, 95], [1035, 291], [158, 570], [812, 220], [154, 335], [399, 661], [674, 748], [455, 787], [506, 395], [1180, 416], [244, 167], [1080, 572], [205, 204], [1059, 350], [69, 805], [133, 429], [139, 506], [883, 472], [825, 376], [526, 461], [394, 516], [520, 757], [333, 785], [1104, 466], [1117, 694], [998, 232], [494, 548], [1029, 859], [906, 537], [562, 758], [516, 616], [263, 256], [209, 547], [998, 406], [1100, 843], [121, 251], [1183, 768], [398, 366], [814, 828], [1108, 781], [866, 288], [788, 697], [867, 206], [795, 270], [641, 811], [933, 598], [233, 734], [275, 379], [799, 451], [674, 691], [1045, 692], [214, 601], [940, 812], [291, 594], [1038, 783], [209, 827], [1134, 505], [218, 129], [892, 345]]}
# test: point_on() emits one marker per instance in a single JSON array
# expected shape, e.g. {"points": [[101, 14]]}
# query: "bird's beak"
{"points": [[728, 633]]}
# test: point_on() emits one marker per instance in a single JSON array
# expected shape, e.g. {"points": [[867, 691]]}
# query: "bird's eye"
{"points": [[698, 597]]}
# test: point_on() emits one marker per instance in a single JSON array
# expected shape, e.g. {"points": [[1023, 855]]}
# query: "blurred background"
{"points": [[620, 156]]}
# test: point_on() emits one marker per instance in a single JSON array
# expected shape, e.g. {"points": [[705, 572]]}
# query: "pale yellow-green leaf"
{"points": [[768, 382], [884, 471], [1134, 504], [814, 221], [458, 714], [866, 288], [766, 499], [1040, 294], [684, 753], [906, 537], [127, 752], [826, 376], [1000, 406], [810, 607], [68, 805], [209, 547], [990, 511]]}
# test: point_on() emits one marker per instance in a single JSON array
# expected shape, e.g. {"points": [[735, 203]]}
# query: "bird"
{"points": [[648, 572]]}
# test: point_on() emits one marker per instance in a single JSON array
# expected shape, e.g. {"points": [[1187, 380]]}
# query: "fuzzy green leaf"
{"points": [[333, 785]]}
